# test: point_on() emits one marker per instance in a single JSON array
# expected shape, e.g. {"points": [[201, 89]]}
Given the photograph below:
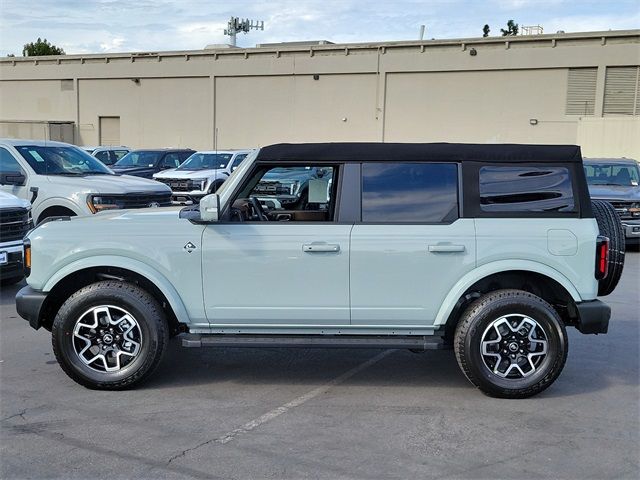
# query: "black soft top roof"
{"points": [[434, 152]]}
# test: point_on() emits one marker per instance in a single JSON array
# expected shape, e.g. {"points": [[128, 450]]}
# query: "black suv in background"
{"points": [[144, 163], [617, 180]]}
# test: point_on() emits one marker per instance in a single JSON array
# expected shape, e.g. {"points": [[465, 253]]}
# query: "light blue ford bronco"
{"points": [[490, 249]]}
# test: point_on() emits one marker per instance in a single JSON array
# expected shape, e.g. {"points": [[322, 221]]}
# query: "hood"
{"points": [[133, 170], [108, 184], [11, 201], [175, 173], [148, 215], [615, 192]]}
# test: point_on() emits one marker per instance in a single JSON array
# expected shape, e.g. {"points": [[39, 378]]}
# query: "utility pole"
{"points": [[236, 25]]}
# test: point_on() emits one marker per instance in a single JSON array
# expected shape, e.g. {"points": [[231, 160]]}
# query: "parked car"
{"points": [[15, 222], [144, 163], [62, 180], [617, 180], [416, 246], [200, 174], [287, 187], [107, 154]]}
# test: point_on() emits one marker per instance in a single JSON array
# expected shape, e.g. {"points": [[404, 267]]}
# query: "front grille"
{"points": [[140, 200], [14, 224], [273, 188], [180, 185], [622, 209]]}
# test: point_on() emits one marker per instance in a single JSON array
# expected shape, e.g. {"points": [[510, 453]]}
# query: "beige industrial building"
{"points": [[562, 88]]}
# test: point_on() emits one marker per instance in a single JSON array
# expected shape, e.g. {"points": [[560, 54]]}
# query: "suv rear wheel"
{"points": [[109, 335], [511, 344]]}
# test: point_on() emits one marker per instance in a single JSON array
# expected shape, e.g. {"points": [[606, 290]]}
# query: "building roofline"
{"points": [[471, 41]]}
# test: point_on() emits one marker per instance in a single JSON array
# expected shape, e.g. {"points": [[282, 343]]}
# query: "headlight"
{"points": [[199, 184], [634, 209], [98, 203]]}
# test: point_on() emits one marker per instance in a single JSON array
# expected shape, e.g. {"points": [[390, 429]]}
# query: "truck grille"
{"points": [[273, 188], [622, 209], [14, 224], [140, 200], [180, 185]]}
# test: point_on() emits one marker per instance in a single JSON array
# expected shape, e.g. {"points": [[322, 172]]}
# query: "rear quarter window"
{"points": [[526, 189]]}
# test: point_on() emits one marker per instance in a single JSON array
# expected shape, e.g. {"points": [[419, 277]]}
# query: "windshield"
{"points": [[140, 158], [203, 161], [612, 174], [55, 160]]}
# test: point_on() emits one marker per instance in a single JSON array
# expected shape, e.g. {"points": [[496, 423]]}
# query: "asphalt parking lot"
{"points": [[322, 413]]}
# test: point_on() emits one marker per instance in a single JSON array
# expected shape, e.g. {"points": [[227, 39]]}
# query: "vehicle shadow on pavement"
{"points": [[183, 368]]}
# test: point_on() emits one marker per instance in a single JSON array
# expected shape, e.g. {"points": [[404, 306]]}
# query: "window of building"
{"points": [[409, 192], [581, 91], [526, 189], [622, 91]]}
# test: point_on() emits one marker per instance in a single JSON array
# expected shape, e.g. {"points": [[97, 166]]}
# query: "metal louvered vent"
{"points": [[581, 91], [621, 91]]}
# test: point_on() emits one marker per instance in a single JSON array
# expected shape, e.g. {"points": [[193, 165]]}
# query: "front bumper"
{"points": [[14, 266], [631, 230], [187, 198], [29, 304], [593, 317]]}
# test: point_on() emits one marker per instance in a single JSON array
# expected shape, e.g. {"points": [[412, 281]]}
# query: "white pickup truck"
{"points": [[15, 222]]}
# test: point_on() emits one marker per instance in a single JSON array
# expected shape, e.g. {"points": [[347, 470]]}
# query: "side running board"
{"points": [[313, 341]]}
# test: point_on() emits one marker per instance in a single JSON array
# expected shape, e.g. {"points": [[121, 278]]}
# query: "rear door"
{"points": [[411, 246]]}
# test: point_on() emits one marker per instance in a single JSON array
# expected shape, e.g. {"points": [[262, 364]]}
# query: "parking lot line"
{"points": [[276, 412]]}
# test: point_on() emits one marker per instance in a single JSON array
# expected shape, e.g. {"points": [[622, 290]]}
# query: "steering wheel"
{"points": [[258, 210]]}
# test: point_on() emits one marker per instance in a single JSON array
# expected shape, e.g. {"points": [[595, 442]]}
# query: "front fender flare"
{"points": [[125, 263], [485, 270]]}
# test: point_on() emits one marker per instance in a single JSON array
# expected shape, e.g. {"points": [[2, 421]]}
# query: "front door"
{"points": [[279, 258], [410, 248]]}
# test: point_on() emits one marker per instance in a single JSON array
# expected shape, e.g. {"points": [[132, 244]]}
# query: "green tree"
{"points": [[485, 31], [512, 29], [41, 47]]}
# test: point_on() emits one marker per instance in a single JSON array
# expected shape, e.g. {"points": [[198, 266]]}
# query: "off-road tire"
{"points": [[148, 314], [486, 309], [610, 226]]}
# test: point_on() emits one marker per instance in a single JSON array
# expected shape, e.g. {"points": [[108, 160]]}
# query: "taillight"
{"points": [[602, 257]]}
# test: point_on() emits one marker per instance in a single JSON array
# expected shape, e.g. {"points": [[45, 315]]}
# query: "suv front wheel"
{"points": [[511, 344], [109, 335]]}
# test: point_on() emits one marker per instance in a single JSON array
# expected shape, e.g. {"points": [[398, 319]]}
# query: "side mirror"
{"points": [[12, 178], [210, 208]]}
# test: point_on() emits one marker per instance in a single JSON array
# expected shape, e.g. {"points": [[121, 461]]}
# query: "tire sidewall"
{"points": [[556, 344], [87, 300]]}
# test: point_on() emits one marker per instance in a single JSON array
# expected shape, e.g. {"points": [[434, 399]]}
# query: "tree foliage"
{"points": [[40, 48], [485, 30], [512, 29]]}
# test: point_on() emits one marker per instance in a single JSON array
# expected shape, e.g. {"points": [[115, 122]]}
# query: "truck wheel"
{"points": [[511, 344], [610, 226], [109, 335]]}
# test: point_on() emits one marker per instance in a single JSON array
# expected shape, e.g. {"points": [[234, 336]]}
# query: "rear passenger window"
{"points": [[526, 189], [409, 192]]}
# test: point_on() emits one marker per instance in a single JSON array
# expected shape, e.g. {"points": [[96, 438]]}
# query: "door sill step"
{"points": [[414, 342]]}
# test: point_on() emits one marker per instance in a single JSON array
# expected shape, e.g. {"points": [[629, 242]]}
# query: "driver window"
{"points": [[288, 194], [8, 164]]}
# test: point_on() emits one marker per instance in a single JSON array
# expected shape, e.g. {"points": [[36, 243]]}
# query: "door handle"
{"points": [[320, 247], [446, 248]]}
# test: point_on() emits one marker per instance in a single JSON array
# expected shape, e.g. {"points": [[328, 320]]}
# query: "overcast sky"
{"points": [[96, 26]]}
